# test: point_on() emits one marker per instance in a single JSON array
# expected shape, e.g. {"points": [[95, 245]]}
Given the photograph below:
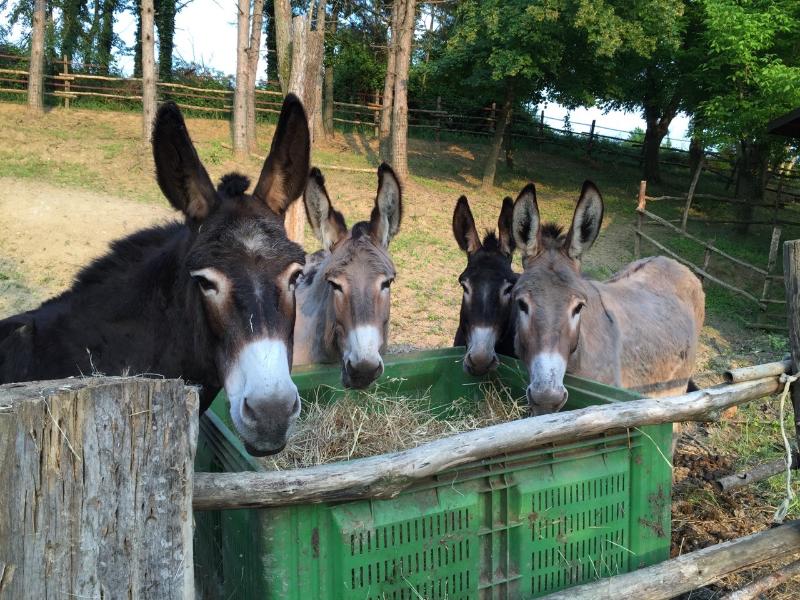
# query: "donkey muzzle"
{"points": [[544, 402]]}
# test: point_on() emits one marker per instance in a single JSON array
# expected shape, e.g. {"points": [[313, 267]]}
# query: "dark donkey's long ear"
{"points": [[180, 174], [464, 227], [526, 224], [586, 221], [285, 171], [328, 223], [387, 213], [505, 225]]}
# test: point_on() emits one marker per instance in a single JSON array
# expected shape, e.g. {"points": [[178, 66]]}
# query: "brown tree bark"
{"points": [[490, 167], [327, 107], [253, 55], [400, 105], [658, 122], [696, 151], [750, 180], [385, 129], [148, 70], [36, 70], [318, 129], [240, 145], [283, 42]]}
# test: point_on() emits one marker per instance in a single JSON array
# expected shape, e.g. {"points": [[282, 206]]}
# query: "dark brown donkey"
{"points": [[637, 330], [210, 299], [486, 325], [344, 296]]}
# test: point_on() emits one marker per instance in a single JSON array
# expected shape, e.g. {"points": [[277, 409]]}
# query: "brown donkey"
{"points": [[637, 330], [344, 295]]}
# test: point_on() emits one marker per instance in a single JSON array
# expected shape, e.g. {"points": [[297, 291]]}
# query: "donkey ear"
{"points": [[285, 171], [464, 227], [586, 221], [328, 224], [179, 172], [526, 224], [505, 223], [388, 210]]}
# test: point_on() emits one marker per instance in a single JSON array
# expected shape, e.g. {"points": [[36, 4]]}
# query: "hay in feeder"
{"points": [[372, 423]]}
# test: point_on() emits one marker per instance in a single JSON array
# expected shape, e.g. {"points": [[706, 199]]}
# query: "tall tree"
{"points": [[137, 44], [165, 24], [385, 129], [399, 160], [36, 69], [283, 41], [73, 13], [327, 108], [148, 70], [240, 145], [105, 40], [752, 75], [253, 56]]}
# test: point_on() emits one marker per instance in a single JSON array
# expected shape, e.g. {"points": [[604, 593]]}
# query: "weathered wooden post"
{"points": [[493, 117], [690, 195], [96, 482], [637, 239], [791, 277], [591, 139], [66, 82], [438, 119], [541, 124]]}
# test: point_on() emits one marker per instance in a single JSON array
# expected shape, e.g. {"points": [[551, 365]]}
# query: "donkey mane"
{"points": [[552, 236], [362, 246], [233, 185], [490, 241]]}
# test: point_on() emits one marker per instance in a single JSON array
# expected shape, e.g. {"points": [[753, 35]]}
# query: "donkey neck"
{"points": [[597, 354]]}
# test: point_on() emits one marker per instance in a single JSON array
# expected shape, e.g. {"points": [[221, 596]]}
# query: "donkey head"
{"points": [[358, 273], [550, 293], [486, 305], [241, 269]]}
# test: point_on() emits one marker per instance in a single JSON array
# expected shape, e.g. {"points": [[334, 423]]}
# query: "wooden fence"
{"points": [[769, 281], [73, 84]]}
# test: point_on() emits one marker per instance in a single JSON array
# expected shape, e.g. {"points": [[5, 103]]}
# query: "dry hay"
{"points": [[372, 423]]}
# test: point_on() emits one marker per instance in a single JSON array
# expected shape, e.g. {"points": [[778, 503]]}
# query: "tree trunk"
{"points": [[327, 108], [696, 151], [272, 53], [400, 105], [750, 180], [307, 51], [90, 36], [490, 167], [253, 56], [318, 78], [283, 42], [385, 129], [657, 129], [165, 21], [240, 145], [148, 70], [106, 38], [36, 69], [137, 51], [96, 477]]}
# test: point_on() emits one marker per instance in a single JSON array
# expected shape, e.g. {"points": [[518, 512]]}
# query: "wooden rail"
{"points": [[387, 475]]}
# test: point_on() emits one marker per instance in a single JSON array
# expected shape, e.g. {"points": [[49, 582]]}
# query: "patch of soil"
{"points": [[50, 233]]}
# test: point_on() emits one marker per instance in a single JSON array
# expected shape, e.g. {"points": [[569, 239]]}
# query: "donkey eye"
{"points": [[523, 306], [294, 278], [206, 285], [507, 289], [387, 284], [578, 308], [336, 287]]}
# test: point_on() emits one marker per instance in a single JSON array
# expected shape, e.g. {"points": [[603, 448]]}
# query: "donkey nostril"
{"points": [[296, 406], [247, 410]]}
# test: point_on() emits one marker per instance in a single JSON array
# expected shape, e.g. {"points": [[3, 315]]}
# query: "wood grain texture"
{"points": [[96, 480], [387, 475]]}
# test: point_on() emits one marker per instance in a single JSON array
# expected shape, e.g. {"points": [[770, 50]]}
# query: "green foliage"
{"points": [[357, 68], [752, 72]]}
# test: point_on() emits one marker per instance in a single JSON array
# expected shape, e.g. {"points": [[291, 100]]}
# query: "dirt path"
{"points": [[50, 232]]}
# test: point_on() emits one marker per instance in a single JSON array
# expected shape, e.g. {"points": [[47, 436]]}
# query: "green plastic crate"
{"points": [[513, 526]]}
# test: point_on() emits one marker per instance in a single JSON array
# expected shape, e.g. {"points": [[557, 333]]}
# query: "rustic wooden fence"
{"points": [[769, 292], [71, 84]]}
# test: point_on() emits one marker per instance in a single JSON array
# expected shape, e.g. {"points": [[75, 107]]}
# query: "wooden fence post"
{"points": [[637, 240], [66, 83], [541, 124], [96, 480], [493, 117], [791, 278], [591, 139], [706, 260], [438, 118], [690, 195], [773, 257]]}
